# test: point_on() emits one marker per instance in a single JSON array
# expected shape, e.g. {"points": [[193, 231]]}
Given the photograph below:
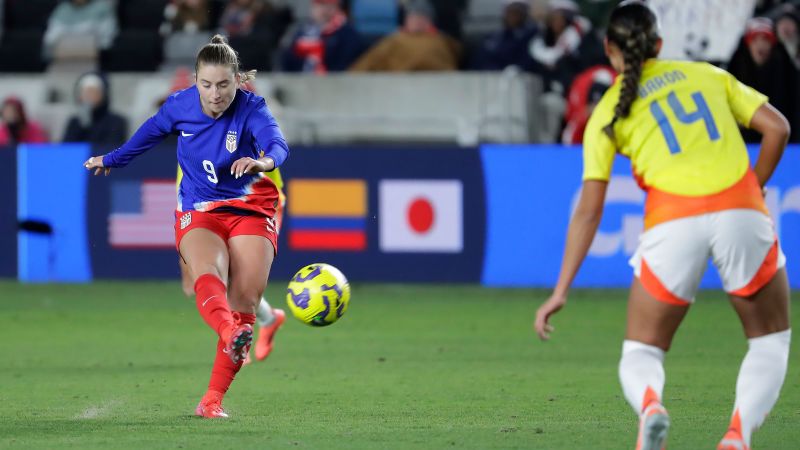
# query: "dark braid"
{"points": [[637, 38]]}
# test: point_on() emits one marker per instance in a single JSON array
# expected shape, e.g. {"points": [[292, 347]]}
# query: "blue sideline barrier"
{"points": [[531, 191]]}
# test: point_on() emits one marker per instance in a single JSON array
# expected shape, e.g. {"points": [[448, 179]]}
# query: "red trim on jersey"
{"points": [[262, 198]]}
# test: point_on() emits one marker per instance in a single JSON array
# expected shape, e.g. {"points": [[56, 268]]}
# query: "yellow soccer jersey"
{"points": [[682, 134]]}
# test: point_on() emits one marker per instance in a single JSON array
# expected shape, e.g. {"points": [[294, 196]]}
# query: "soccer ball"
{"points": [[318, 294]]}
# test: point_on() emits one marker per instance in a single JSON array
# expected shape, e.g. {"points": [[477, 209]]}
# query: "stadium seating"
{"points": [[133, 50], [138, 46], [25, 21], [181, 48], [483, 17], [141, 14], [29, 14], [20, 51], [254, 51]]}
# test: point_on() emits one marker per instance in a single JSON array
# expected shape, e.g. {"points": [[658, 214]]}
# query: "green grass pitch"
{"points": [[122, 365]]}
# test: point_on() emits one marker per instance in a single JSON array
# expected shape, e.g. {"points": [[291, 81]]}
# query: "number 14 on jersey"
{"points": [[702, 112]]}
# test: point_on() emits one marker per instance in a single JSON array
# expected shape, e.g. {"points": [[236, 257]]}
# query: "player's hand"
{"points": [[249, 166], [96, 163], [543, 314]]}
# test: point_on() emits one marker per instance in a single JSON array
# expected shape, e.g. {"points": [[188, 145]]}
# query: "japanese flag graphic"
{"points": [[422, 216]]}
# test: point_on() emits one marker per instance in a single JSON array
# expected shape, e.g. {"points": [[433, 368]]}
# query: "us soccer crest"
{"points": [[230, 141], [186, 219]]}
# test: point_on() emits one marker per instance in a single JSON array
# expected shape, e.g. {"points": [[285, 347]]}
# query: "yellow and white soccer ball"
{"points": [[318, 294]]}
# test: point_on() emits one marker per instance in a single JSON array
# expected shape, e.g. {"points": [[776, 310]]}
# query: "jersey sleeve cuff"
{"points": [[278, 154]]}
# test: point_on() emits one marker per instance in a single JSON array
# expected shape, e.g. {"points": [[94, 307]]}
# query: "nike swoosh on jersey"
{"points": [[185, 134]]}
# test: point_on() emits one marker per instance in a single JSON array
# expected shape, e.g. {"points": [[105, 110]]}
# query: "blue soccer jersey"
{"points": [[207, 148]]}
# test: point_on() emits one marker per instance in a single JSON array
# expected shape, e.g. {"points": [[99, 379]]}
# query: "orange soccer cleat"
{"points": [[267, 333], [732, 441], [239, 344], [210, 407], [653, 427]]}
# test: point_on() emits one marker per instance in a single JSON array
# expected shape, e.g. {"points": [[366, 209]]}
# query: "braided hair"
{"points": [[633, 27]]}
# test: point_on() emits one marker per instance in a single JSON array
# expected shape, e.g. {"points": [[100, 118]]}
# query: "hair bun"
{"points": [[219, 39]]}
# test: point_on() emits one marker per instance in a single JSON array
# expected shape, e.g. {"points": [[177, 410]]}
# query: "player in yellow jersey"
{"points": [[268, 319], [678, 124]]}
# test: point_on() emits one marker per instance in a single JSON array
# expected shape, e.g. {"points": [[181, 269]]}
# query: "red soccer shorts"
{"points": [[226, 224]]}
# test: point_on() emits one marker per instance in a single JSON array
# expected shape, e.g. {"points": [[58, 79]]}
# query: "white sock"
{"points": [[641, 367], [760, 379], [264, 315]]}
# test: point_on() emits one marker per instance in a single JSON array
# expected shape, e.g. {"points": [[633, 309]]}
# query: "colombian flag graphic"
{"points": [[327, 214]]}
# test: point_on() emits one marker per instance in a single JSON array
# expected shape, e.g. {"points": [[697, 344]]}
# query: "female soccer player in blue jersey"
{"points": [[678, 122], [224, 228]]}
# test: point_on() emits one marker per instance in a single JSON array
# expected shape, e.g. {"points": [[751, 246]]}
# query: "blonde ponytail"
{"points": [[219, 53], [246, 76]]}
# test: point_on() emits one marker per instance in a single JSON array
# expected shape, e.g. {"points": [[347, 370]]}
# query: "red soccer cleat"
{"points": [[239, 344], [653, 427], [210, 407], [266, 334]]}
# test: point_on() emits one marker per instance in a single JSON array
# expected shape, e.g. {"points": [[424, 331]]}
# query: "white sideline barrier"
{"points": [[454, 107]]}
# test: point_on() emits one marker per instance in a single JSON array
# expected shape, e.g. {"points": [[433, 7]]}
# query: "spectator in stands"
{"points": [[243, 18], [509, 46], [418, 46], [584, 94], [329, 43], [566, 47], [16, 128], [189, 16], [764, 6], [787, 25], [94, 18], [448, 15], [760, 62], [95, 122]]}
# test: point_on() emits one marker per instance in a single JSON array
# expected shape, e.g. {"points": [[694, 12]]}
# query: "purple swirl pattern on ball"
{"points": [[311, 275], [300, 300]]}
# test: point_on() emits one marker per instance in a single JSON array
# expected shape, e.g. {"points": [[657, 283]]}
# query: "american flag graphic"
{"points": [[142, 214]]}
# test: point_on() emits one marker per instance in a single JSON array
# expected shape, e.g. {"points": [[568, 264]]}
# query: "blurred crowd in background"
{"points": [[559, 41]]}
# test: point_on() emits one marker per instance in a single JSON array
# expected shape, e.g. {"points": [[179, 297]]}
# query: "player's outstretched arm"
{"points": [[582, 228], [775, 130], [96, 163]]}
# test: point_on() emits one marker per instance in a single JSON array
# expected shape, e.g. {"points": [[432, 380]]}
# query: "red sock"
{"points": [[212, 303], [224, 370], [246, 318]]}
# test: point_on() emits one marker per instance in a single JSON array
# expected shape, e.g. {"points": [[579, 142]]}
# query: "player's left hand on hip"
{"points": [[248, 166], [96, 163]]}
